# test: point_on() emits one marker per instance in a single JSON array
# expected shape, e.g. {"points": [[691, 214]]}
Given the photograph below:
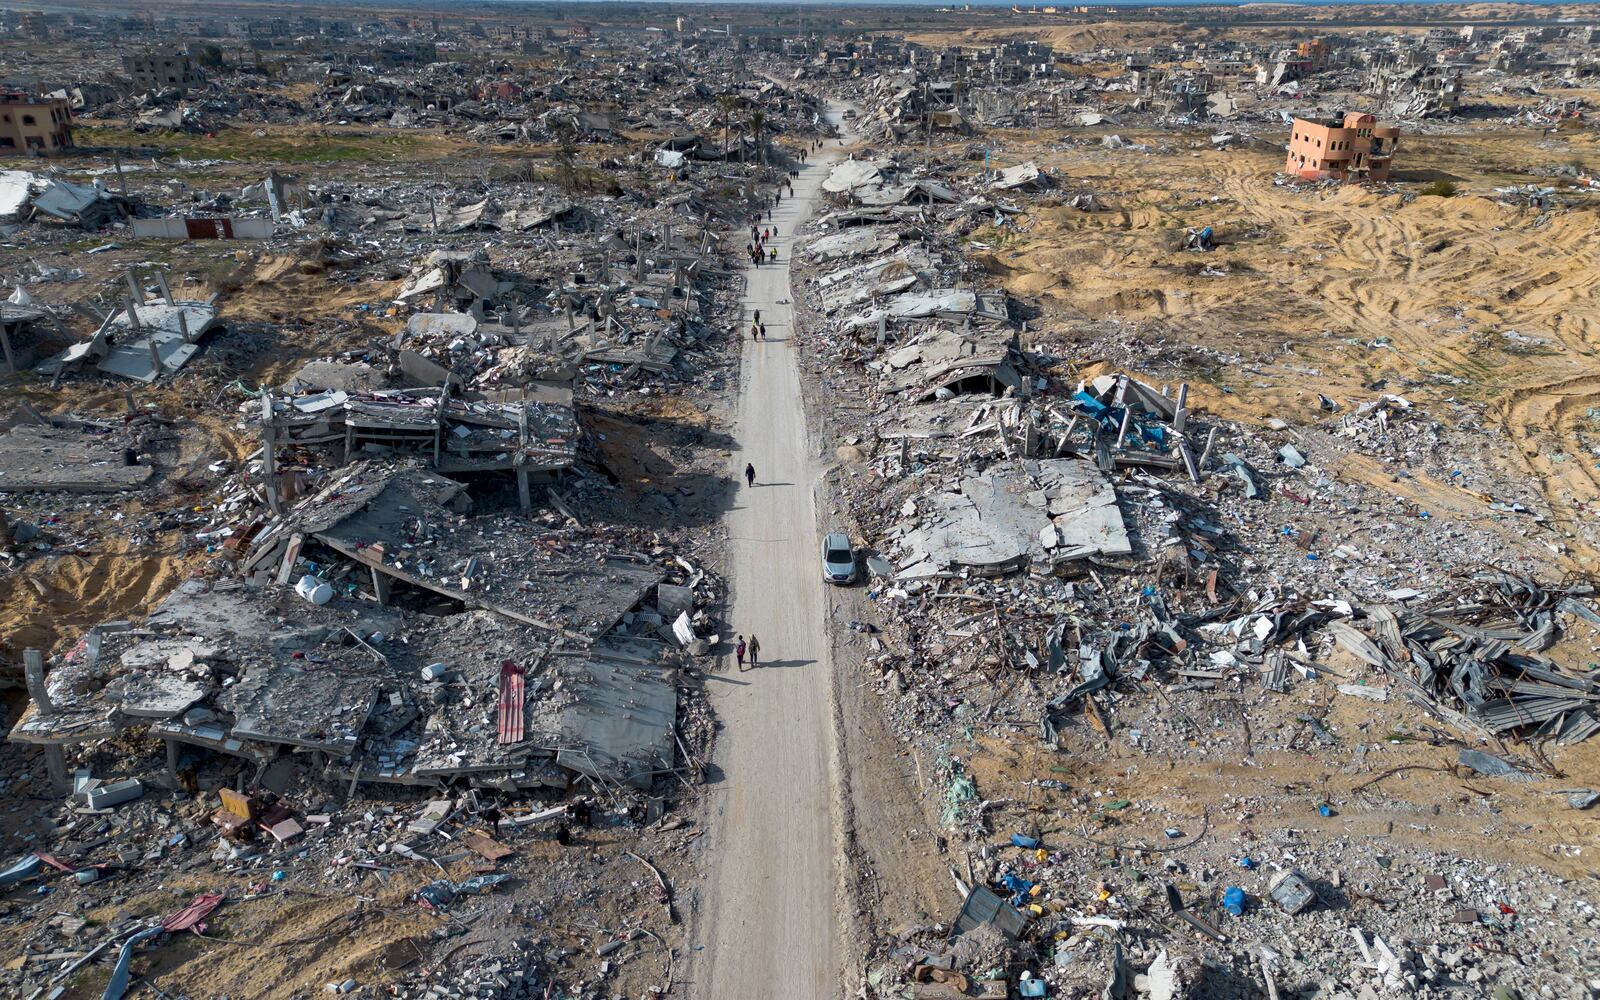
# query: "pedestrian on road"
{"points": [[758, 316], [755, 651], [774, 232], [749, 473], [738, 652], [763, 328], [763, 235], [755, 331], [774, 255]]}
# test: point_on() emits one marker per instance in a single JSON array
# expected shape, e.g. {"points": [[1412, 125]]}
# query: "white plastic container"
{"points": [[314, 590]]}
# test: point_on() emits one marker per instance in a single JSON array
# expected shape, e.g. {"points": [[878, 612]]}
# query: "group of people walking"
{"points": [[757, 247], [751, 649]]}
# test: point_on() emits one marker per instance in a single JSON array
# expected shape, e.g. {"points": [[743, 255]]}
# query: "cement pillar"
{"points": [[55, 759], [269, 454]]}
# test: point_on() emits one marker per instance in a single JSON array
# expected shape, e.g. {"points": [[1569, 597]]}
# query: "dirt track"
{"points": [[770, 923]]}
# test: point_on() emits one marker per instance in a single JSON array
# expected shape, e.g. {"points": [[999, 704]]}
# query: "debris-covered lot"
{"points": [[1205, 401]]}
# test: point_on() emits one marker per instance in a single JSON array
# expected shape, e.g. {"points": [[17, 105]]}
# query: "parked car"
{"points": [[838, 559]]}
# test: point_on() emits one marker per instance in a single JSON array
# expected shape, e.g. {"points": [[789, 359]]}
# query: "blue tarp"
{"points": [[1110, 420]]}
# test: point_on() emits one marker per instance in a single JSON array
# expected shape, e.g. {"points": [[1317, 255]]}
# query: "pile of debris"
{"points": [[26, 196], [1476, 663]]}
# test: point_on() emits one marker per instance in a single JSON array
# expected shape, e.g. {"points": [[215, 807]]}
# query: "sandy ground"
{"points": [[772, 876], [1338, 290]]}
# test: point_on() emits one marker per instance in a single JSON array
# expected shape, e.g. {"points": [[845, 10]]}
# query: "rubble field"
{"points": [[1203, 429]]}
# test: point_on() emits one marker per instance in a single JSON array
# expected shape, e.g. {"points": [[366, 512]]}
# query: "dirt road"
{"points": [[770, 927]]}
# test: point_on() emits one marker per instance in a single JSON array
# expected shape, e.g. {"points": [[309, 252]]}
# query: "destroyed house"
{"points": [[143, 340], [400, 522], [258, 675], [941, 364], [163, 71], [38, 125], [1046, 512], [531, 430], [1352, 148], [20, 331]]}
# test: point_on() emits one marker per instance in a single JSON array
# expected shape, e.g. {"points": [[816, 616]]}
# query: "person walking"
{"points": [[738, 652], [763, 328], [758, 316], [774, 255], [755, 331], [749, 473], [755, 651]]}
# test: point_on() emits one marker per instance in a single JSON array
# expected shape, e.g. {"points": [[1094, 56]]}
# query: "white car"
{"points": [[838, 559]]}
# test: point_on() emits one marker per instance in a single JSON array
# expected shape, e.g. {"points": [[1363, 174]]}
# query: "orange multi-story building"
{"points": [[1314, 53], [41, 125], [1354, 149]]}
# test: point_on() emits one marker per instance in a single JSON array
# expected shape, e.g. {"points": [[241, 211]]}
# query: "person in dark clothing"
{"points": [[757, 316], [763, 328], [755, 650], [750, 473]]}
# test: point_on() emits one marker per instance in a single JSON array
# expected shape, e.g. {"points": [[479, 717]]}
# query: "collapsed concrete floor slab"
{"points": [[1046, 512], [48, 459], [254, 675]]}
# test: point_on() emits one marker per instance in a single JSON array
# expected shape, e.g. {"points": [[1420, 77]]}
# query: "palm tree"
{"points": [[727, 102], [758, 119]]}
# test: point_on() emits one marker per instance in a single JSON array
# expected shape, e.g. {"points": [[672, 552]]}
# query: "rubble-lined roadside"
{"points": [[427, 679], [1085, 595]]}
